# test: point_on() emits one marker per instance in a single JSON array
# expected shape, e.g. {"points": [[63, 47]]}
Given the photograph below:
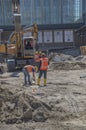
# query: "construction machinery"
{"points": [[22, 45], [2, 52]]}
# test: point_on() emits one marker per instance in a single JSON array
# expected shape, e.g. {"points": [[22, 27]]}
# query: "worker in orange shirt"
{"points": [[27, 70], [43, 68]]}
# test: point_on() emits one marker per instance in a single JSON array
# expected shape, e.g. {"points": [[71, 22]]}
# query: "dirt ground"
{"points": [[61, 105]]}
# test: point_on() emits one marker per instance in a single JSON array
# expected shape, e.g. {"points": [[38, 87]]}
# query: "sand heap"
{"points": [[17, 107], [67, 62]]}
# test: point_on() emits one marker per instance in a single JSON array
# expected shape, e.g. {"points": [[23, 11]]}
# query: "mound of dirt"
{"points": [[67, 65], [20, 107], [62, 57], [67, 62]]}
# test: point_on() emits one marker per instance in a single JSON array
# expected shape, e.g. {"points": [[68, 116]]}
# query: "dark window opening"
{"points": [[28, 44]]}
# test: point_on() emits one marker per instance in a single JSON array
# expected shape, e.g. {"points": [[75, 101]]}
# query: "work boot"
{"points": [[38, 81], [30, 83], [44, 82]]}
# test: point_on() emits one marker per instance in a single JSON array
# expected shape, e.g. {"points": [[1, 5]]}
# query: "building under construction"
{"points": [[57, 20]]}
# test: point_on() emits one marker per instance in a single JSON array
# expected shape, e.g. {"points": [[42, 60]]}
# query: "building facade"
{"points": [[43, 11], [57, 20], [51, 11]]}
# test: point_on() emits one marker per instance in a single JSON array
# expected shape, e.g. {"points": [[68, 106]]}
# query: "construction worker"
{"points": [[37, 57], [43, 68], [26, 70]]}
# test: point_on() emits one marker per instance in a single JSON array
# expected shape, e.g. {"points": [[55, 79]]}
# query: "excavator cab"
{"points": [[29, 46]]}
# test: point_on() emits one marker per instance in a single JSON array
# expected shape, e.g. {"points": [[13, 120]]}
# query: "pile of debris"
{"points": [[67, 62], [18, 107]]}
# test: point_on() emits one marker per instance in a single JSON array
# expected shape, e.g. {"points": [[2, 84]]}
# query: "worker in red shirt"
{"points": [[27, 70], [43, 68]]}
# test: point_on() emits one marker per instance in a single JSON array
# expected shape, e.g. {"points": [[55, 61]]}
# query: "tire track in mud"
{"points": [[73, 104]]}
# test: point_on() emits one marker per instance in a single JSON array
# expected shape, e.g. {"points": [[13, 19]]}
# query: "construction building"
{"points": [[57, 20]]}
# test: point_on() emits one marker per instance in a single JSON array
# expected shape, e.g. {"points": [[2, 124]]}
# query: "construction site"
{"points": [[59, 103]]}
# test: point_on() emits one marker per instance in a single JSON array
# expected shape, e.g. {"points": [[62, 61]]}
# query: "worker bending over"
{"points": [[43, 68], [26, 70]]}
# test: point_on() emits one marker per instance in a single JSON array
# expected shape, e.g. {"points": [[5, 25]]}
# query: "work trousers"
{"points": [[43, 72], [37, 64], [26, 77]]}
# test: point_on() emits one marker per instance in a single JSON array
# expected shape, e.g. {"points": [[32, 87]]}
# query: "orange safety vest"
{"points": [[37, 58], [44, 63], [29, 68]]}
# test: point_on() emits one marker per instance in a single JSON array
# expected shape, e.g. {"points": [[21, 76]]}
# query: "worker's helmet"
{"points": [[40, 52], [36, 52], [43, 54]]}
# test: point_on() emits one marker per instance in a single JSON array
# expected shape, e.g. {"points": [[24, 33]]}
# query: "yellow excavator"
{"points": [[22, 45]]}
